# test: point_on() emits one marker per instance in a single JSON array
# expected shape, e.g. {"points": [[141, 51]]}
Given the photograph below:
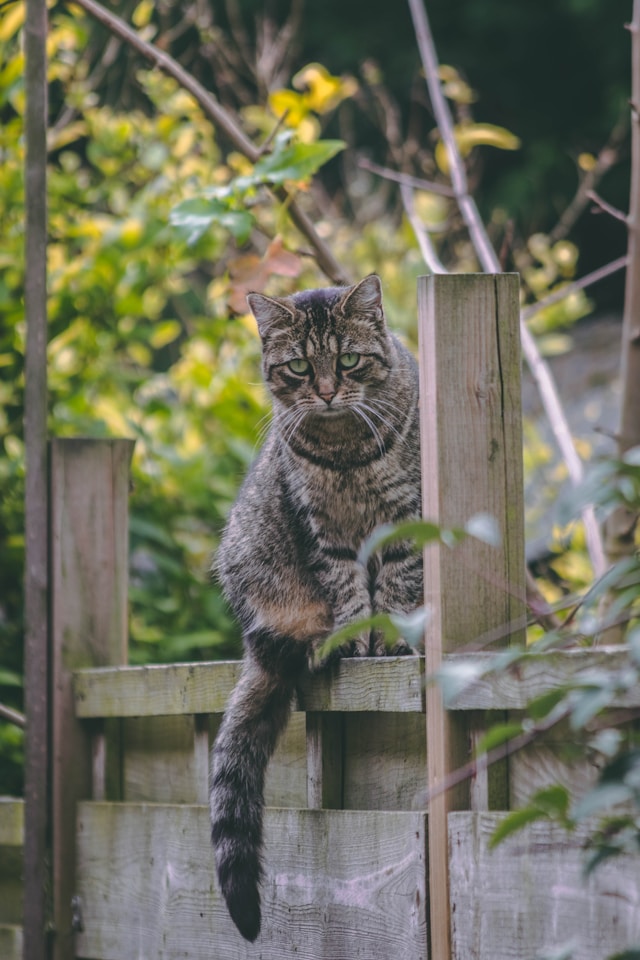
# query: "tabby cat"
{"points": [[341, 457]]}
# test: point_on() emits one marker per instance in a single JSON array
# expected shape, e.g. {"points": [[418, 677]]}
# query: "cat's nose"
{"points": [[326, 392]]}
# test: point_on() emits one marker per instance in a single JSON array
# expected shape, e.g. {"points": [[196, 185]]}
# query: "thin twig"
{"points": [[222, 119], [478, 764], [490, 264], [13, 716], [417, 183], [606, 207], [427, 249], [538, 606], [562, 292], [607, 158]]}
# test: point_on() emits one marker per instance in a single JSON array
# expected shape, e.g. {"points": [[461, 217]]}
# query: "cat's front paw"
{"points": [[322, 654], [382, 647]]}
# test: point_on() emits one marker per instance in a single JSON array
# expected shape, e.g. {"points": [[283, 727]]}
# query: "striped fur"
{"points": [[341, 457]]}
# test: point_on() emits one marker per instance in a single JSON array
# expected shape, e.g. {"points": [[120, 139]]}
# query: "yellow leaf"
{"points": [[586, 161], [142, 13], [454, 87], [164, 333], [470, 135], [131, 231], [290, 103], [565, 255], [12, 21], [324, 91], [57, 139]]}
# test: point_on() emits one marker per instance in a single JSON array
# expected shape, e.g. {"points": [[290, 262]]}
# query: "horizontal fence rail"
{"points": [[389, 685]]}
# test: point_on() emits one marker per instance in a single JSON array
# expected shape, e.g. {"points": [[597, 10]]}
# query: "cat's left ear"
{"points": [[365, 298], [270, 313]]}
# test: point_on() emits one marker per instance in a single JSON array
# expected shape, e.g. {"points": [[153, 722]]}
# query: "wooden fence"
{"points": [[357, 865]]}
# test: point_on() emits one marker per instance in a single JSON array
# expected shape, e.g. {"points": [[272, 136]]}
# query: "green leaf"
{"points": [[193, 217], [484, 527], [454, 677], [498, 734], [420, 531], [10, 679], [540, 707], [632, 457], [299, 161], [513, 822], [550, 803], [585, 704], [602, 798], [411, 626]]}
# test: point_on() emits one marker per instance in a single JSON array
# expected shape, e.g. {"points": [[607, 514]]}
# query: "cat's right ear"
{"points": [[270, 314]]}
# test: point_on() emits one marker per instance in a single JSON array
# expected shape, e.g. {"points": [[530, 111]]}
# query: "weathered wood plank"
{"points": [[155, 691], [514, 688], [345, 885], [384, 761], [471, 445], [325, 761], [388, 685], [89, 577], [11, 822], [528, 897]]}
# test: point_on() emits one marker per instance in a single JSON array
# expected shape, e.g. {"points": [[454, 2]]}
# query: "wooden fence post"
{"points": [[89, 576], [471, 438]]}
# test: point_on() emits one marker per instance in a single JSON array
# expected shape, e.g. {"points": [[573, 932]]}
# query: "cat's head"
{"points": [[325, 351]]}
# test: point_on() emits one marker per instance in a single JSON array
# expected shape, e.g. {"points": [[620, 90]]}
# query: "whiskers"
{"points": [[379, 410]]}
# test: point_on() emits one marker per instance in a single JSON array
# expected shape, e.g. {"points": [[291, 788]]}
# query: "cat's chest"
{"points": [[347, 506]]}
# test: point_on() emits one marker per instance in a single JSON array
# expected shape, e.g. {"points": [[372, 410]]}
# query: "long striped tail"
{"points": [[256, 715]]}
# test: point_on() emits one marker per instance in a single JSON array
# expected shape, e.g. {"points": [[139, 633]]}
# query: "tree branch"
{"points": [[621, 524], [222, 120], [606, 207], [490, 264], [606, 159], [427, 249], [588, 280], [416, 182], [13, 716]]}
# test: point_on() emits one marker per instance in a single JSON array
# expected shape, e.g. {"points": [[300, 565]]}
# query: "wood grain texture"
{"points": [[389, 684], [513, 689], [471, 447], [384, 761], [528, 897], [345, 885], [89, 577], [325, 761]]}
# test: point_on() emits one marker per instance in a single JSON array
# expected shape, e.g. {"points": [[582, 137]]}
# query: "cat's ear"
{"points": [[364, 298], [270, 313]]}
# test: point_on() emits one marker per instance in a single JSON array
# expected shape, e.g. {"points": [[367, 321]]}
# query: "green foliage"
{"points": [[142, 340], [590, 702]]}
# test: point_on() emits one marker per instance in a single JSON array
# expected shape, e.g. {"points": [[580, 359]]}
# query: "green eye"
{"points": [[349, 360], [299, 365]]}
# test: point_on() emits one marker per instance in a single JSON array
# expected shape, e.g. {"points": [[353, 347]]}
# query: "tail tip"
{"points": [[246, 916]]}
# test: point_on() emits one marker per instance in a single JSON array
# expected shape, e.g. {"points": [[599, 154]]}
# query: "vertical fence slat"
{"points": [[89, 575], [471, 437], [325, 752]]}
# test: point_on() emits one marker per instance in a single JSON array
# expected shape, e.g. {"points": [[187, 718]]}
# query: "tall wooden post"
{"points": [[89, 576], [471, 438]]}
